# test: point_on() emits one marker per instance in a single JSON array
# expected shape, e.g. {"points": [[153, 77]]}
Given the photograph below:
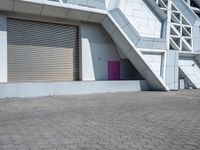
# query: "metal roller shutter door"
{"points": [[42, 52]]}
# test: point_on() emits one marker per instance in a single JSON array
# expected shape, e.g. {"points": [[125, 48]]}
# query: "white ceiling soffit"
{"points": [[6, 5], [25, 6], [54, 9]]}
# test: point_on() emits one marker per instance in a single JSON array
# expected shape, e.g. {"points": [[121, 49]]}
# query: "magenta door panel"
{"points": [[113, 70]]}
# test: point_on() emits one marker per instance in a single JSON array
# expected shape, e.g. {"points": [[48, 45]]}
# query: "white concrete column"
{"points": [[198, 59], [172, 73], [3, 50], [87, 67], [87, 62]]}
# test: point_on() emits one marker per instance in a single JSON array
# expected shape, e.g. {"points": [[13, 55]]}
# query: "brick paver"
{"points": [[120, 121]]}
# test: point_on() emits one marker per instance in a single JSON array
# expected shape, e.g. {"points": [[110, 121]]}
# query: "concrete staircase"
{"points": [[191, 69]]}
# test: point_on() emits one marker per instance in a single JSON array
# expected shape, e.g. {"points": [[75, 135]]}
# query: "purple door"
{"points": [[113, 70]]}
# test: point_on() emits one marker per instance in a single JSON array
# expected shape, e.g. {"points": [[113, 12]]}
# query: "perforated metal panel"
{"points": [[42, 52]]}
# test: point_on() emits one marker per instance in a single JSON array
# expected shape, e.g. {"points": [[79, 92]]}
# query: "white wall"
{"points": [[70, 88], [3, 50], [155, 62], [142, 18], [97, 50], [90, 3]]}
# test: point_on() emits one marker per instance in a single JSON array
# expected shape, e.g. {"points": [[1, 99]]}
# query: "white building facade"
{"points": [[64, 47]]}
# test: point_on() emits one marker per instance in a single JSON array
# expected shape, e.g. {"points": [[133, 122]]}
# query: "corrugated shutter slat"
{"points": [[42, 52]]}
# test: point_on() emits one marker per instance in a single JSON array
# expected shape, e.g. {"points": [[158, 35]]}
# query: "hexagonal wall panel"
{"points": [[142, 18]]}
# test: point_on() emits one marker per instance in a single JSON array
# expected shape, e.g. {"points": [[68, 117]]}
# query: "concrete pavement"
{"points": [[114, 121]]}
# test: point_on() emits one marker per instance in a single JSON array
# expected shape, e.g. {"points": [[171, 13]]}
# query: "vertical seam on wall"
{"points": [[42, 9], [13, 5], [89, 16]]}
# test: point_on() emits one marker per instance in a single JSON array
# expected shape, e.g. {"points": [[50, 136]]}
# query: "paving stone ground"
{"points": [[115, 121]]}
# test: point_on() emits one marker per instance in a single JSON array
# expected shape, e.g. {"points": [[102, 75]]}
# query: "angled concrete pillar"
{"points": [[3, 50], [172, 75], [198, 59]]}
